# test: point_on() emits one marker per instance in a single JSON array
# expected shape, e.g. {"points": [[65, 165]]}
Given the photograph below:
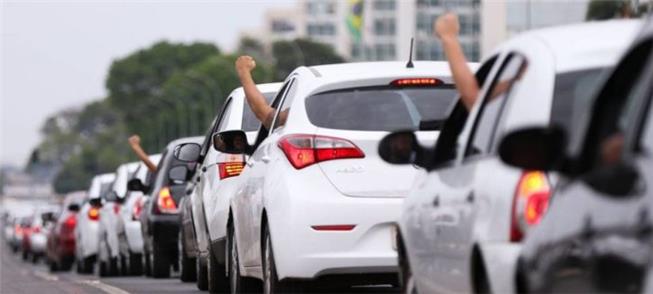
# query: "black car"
{"points": [[160, 217], [596, 234]]}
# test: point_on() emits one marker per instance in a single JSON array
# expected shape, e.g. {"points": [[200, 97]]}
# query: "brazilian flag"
{"points": [[355, 19]]}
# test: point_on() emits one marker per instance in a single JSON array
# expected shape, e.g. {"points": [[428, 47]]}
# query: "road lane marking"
{"points": [[102, 286], [45, 276]]}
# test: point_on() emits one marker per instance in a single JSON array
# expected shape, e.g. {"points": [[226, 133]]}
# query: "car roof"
{"points": [[333, 73], [577, 46], [174, 143], [105, 178], [264, 88]]}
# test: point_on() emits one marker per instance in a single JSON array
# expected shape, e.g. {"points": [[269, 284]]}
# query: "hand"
{"points": [[245, 64], [134, 140], [446, 26]]}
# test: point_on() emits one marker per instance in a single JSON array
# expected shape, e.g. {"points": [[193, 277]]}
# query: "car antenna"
{"points": [[410, 56]]}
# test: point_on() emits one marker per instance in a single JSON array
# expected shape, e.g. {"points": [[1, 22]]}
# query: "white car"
{"points": [[87, 229], [109, 249], [462, 226], [315, 200], [128, 225], [39, 228], [216, 183]]}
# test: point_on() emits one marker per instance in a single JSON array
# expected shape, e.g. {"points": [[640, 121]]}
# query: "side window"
{"points": [[263, 131], [212, 129], [445, 147], [222, 125], [508, 78], [282, 113], [615, 109]]}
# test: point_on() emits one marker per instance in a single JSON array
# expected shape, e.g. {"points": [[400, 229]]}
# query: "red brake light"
{"points": [[36, 229], [138, 208], [416, 82], [305, 150], [165, 202], [230, 169], [18, 229], [70, 222], [94, 213], [530, 203]]}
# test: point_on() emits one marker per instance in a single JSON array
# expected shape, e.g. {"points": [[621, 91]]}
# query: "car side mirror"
{"points": [[188, 152], [534, 148], [402, 147], [74, 207], [136, 185], [231, 142], [178, 174]]}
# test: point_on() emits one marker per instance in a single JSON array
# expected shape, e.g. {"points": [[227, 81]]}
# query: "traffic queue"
{"points": [[527, 172]]}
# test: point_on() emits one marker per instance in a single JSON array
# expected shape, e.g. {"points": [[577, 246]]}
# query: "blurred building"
{"points": [[382, 29]]}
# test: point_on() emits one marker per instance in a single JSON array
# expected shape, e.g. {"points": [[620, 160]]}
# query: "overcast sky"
{"points": [[55, 54]]}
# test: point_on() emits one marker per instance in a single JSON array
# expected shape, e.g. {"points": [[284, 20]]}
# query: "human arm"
{"points": [[135, 144], [255, 99]]}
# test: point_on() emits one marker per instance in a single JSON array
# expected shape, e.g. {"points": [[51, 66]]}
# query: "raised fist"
{"points": [[245, 64], [134, 140], [446, 26]]}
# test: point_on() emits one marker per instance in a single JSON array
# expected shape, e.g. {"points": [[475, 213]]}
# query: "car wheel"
{"points": [[35, 258], [147, 263], [66, 263], [87, 265], [160, 262], [114, 270], [202, 274], [217, 277], [271, 283], [25, 255], [135, 267], [237, 283], [188, 267], [52, 265]]}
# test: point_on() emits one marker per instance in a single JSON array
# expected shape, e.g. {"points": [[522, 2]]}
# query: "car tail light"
{"points": [[530, 203], [36, 229], [230, 169], [116, 208], [138, 208], [304, 150], [70, 222], [165, 202], [18, 230], [94, 213], [412, 82]]}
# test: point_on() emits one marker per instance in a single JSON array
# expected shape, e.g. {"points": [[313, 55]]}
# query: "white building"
{"points": [[388, 25]]}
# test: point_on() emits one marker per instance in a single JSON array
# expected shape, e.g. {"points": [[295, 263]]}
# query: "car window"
{"points": [[250, 122], [615, 108], [286, 102], [402, 108], [208, 138], [224, 118], [646, 141], [509, 77], [571, 95], [445, 147], [263, 131]]}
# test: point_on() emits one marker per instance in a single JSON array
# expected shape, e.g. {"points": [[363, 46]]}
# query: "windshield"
{"points": [[250, 122], [107, 193], [572, 95], [382, 108]]}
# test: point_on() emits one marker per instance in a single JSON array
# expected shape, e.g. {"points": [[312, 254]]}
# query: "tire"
{"points": [[25, 255], [103, 269], [52, 265], [160, 259], [237, 283], [66, 263], [85, 266], [114, 270], [188, 264], [135, 267], [217, 276], [147, 262], [271, 283], [202, 274], [35, 258]]}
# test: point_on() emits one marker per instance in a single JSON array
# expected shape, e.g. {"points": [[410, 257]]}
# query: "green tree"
{"points": [[301, 52]]}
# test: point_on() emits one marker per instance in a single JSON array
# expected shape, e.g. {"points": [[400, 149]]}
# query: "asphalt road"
{"points": [[18, 277]]}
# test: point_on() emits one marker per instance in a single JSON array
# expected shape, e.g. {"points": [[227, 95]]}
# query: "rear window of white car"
{"points": [[250, 122], [572, 94], [382, 108]]}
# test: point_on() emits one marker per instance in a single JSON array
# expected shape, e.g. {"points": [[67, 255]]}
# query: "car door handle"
{"points": [[204, 169], [265, 158], [436, 201]]}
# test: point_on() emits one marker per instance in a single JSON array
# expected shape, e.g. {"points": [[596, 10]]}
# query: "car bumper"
{"points": [[38, 243], [304, 252], [501, 265], [89, 240]]}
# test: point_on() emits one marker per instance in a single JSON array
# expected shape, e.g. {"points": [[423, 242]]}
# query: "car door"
{"points": [[455, 205], [248, 199], [602, 221]]}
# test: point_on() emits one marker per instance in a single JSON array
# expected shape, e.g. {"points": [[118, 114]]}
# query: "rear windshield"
{"points": [[572, 94], [250, 122], [107, 192], [382, 108]]}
